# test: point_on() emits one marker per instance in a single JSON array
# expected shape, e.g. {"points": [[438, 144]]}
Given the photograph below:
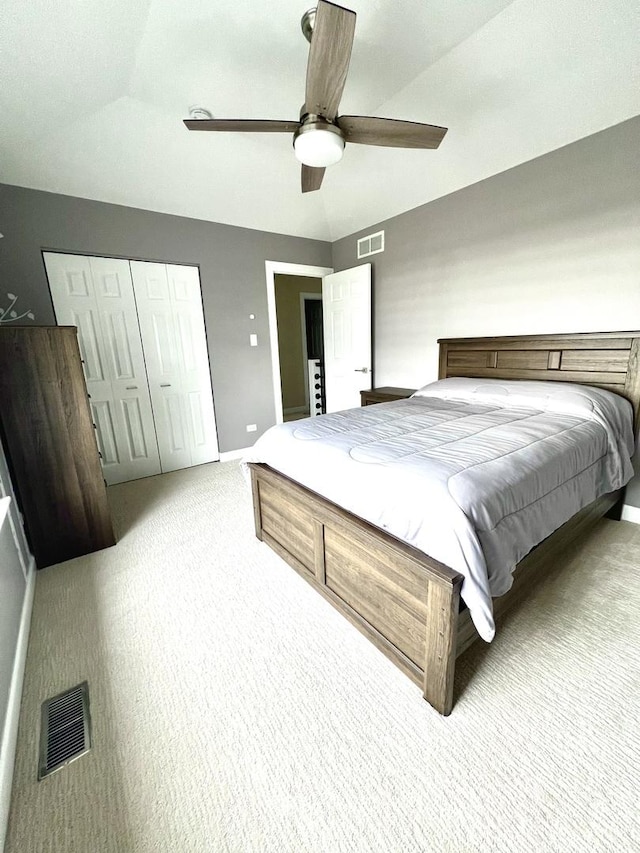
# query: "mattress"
{"points": [[474, 473]]}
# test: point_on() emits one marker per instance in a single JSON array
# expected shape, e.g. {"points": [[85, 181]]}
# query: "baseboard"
{"points": [[10, 734], [229, 455], [631, 513]]}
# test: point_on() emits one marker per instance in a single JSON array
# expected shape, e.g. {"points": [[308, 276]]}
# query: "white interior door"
{"points": [[346, 317], [173, 337], [96, 295]]}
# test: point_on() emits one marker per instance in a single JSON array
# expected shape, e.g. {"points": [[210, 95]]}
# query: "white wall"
{"points": [[17, 574]]}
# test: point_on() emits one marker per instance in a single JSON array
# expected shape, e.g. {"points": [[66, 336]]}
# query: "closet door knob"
{"points": [[165, 385]]}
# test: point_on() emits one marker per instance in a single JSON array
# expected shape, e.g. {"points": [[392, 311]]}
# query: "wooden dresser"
{"points": [[384, 395], [50, 442]]}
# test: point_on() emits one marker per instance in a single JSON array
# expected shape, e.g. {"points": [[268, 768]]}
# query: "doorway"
{"points": [[288, 331], [299, 322]]}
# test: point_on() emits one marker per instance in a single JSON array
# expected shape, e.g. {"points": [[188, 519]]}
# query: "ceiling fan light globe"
{"points": [[319, 148]]}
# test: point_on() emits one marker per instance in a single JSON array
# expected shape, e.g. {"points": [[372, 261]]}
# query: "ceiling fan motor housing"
{"points": [[307, 23]]}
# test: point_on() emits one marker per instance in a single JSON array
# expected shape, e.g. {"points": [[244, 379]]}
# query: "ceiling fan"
{"points": [[320, 135]]}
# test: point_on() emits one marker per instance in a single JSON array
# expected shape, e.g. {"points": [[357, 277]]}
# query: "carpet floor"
{"points": [[235, 711]]}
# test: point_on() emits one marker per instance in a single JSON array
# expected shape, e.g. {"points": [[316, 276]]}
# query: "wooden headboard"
{"points": [[608, 360]]}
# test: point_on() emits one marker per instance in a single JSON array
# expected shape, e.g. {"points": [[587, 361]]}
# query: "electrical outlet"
{"points": [[251, 427], [253, 340]]}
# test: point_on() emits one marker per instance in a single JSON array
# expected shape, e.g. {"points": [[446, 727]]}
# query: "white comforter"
{"points": [[473, 473]]}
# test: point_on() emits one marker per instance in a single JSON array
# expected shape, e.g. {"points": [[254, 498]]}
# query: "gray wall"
{"points": [[232, 272], [550, 246]]}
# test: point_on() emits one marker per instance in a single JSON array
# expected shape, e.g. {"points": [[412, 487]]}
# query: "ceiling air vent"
{"points": [[371, 244]]}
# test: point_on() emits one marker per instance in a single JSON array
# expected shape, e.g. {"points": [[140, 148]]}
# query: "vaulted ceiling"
{"points": [[94, 92]]}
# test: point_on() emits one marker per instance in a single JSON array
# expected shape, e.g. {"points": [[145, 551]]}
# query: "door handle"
{"points": [[132, 388], [165, 385], [361, 370]]}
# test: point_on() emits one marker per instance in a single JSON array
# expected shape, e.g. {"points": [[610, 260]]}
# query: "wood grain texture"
{"points": [[49, 435], [568, 340], [533, 360], [440, 648], [632, 384], [329, 57], [255, 496], [389, 594], [580, 377], [382, 585], [390, 132], [311, 178], [554, 359], [320, 564], [322, 512], [384, 394], [283, 520], [599, 361], [606, 360], [242, 125]]}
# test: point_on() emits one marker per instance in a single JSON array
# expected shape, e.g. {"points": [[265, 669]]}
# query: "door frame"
{"points": [[271, 269]]}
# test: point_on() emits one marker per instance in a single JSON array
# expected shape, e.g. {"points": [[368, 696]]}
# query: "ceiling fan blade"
{"points": [[242, 124], [329, 57], [311, 178], [390, 132]]}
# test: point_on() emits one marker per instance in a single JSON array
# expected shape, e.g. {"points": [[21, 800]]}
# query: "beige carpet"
{"points": [[235, 710]]}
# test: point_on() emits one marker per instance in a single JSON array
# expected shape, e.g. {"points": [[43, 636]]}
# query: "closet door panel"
{"points": [[186, 298], [75, 304], [174, 341], [132, 413], [157, 327], [96, 295]]}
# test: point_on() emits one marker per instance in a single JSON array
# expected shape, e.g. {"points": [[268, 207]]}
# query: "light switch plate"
{"points": [[253, 340]]}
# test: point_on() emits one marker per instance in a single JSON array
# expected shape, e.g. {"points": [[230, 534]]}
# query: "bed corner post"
{"points": [[443, 601], [255, 493]]}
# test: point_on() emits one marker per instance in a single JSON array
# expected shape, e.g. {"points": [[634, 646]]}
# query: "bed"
{"points": [[405, 600]]}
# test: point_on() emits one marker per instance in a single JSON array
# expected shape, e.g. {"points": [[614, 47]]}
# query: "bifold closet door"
{"points": [[96, 295], [174, 340]]}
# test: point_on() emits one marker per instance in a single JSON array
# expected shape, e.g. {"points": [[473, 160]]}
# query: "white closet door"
{"points": [[175, 348], [96, 295]]}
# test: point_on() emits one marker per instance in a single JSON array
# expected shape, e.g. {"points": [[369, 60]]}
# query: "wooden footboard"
{"points": [[404, 601]]}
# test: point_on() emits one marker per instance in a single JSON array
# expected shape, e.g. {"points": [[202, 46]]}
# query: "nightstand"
{"points": [[384, 395]]}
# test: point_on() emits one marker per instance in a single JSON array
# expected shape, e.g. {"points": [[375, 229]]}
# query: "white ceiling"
{"points": [[93, 93]]}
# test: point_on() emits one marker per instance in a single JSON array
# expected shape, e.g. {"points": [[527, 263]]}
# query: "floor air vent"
{"points": [[65, 729]]}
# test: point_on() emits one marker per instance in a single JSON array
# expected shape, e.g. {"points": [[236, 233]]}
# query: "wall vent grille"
{"points": [[65, 729], [371, 244]]}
